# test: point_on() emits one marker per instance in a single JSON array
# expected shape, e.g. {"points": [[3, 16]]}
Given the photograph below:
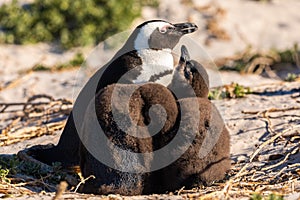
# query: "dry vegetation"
{"points": [[269, 63], [272, 169], [40, 115], [271, 172]]}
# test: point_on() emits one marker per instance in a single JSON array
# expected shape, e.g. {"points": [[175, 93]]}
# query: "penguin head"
{"points": [[193, 73], [159, 34]]}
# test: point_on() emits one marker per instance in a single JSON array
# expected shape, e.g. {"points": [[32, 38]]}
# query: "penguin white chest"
{"points": [[157, 66]]}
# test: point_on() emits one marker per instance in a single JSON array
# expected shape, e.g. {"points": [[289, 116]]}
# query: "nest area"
{"points": [[274, 167], [40, 115]]}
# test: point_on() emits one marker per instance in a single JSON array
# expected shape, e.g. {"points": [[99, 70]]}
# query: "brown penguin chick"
{"points": [[207, 157], [189, 73], [128, 174]]}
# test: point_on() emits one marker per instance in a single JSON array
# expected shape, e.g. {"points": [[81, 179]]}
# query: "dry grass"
{"points": [[268, 171], [272, 168], [270, 63], [40, 115]]}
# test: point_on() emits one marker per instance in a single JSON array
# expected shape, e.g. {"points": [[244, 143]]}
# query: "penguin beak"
{"points": [[186, 27], [184, 62], [185, 56]]}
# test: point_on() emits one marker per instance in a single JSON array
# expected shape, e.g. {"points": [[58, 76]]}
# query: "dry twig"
{"points": [[83, 180], [61, 188], [40, 115], [246, 170]]}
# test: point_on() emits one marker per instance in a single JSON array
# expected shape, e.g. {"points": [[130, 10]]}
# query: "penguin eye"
{"points": [[187, 73], [165, 29]]}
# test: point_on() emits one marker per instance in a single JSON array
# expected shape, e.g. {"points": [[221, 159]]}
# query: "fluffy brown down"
{"points": [[109, 180], [208, 157], [193, 167]]}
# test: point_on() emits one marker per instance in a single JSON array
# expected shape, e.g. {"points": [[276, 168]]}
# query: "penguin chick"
{"points": [[189, 73], [207, 158], [109, 105]]}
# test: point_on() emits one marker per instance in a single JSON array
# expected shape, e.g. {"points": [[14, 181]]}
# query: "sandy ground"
{"points": [[261, 25]]}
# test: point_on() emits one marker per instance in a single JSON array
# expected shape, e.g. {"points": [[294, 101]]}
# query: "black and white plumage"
{"points": [[147, 54], [147, 57]]}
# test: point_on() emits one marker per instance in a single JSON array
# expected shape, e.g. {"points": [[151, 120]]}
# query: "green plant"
{"points": [[52, 174], [234, 90], [12, 166], [76, 61], [240, 91], [217, 93], [32, 169], [69, 22], [257, 196], [151, 3], [3, 175], [40, 67], [11, 163], [291, 77], [275, 197]]}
